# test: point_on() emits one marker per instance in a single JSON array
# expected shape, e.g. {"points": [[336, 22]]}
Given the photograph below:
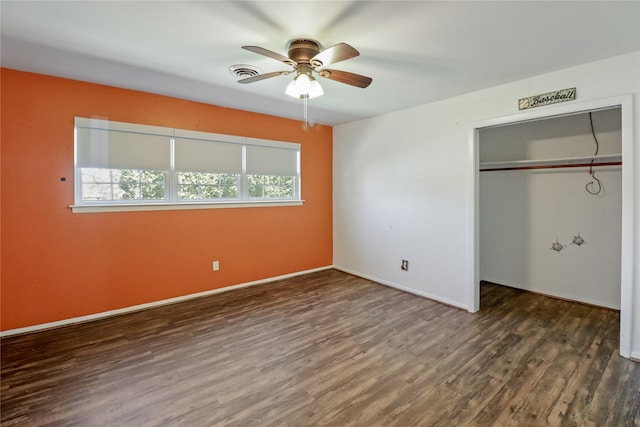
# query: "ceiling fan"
{"points": [[306, 58]]}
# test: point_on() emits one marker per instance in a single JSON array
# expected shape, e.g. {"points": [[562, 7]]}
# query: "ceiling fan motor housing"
{"points": [[302, 50]]}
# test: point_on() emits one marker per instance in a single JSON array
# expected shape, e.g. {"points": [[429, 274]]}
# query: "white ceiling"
{"points": [[416, 52]]}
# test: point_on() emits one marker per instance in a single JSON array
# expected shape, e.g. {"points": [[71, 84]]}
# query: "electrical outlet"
{"points": [[216, 265], [405, 265]]}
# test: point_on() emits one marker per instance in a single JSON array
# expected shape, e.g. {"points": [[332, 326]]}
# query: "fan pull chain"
{"points": [[306, 121]]}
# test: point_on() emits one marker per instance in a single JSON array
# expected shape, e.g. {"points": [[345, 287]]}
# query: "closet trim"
{"points": [[628, 287]]}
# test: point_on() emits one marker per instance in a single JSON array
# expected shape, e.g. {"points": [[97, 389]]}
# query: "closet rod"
{"points": [[567, 165]]}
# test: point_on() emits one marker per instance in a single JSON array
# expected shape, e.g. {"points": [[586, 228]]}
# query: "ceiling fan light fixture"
{"points": [[292, 90], [303, 83], [315, 90], [304, 86]]}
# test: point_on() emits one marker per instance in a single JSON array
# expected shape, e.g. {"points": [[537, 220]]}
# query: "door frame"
{"points": [[628, 287]]}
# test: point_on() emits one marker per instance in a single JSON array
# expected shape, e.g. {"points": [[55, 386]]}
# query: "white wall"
{"points": [[565, 136], [523, 212], [403, 183]]}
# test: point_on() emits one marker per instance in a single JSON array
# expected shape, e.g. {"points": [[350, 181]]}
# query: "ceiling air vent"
{"points": [[243, 71]]}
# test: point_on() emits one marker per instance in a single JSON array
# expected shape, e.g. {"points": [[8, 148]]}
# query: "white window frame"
{"points": [[172, 202]]}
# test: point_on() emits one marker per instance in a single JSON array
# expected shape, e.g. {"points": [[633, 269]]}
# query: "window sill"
{"points": [[132, 207]]}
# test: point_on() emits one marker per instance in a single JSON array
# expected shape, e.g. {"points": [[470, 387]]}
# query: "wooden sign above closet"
{"points": [[547, 98]]}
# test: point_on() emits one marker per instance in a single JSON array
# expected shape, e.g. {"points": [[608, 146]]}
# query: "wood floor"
{"points": [[327, 349]]}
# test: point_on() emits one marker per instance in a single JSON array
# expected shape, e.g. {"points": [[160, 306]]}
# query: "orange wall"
{"points": [[58, 265]]}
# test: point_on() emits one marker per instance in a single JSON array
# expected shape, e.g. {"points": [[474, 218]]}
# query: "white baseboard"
{"points": [[110, 313], [635, 356], [403, 288]]}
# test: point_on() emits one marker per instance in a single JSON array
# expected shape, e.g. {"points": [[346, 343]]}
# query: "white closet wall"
{"points": [[523, 212]]}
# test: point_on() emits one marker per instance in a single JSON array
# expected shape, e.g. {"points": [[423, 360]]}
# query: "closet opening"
{"points": [[552, 196]]}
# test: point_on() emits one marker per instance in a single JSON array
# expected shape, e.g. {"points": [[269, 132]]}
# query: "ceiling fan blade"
{"points": [[346, 77], [263, 76], [333, 54], [270, 54]]}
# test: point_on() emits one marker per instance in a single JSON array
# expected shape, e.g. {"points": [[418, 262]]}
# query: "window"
{"points": [[271, 172], [124, 166]]}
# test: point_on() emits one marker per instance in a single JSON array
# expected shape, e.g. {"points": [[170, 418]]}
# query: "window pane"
{"points": [[271, 191], [95, 175], [152, 191], [129, 192], [256, 179], [187, 178], [207, 186], [152, 177], [129, 184], [210, 179], [211, 192], [230, 192], [188, 191], [287, 186], [271, 187], [96, 191], [255, 185], [226, 179]]}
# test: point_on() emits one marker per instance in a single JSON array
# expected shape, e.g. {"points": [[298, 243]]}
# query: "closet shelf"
{"points": [[566, 162]]}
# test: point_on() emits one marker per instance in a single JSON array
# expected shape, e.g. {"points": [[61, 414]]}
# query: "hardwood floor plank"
{"points": [[328, 349]]}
